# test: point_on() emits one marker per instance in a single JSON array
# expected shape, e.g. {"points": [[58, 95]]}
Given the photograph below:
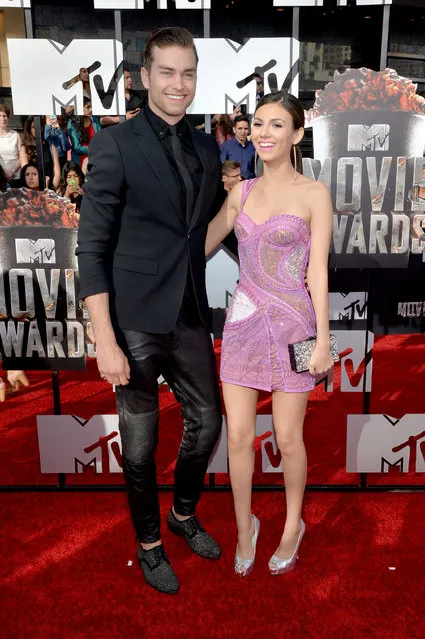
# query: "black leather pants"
{"points": [[185, 358]]}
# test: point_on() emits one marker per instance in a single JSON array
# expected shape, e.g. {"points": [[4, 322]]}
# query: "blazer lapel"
{"points": [[203, 156], [152, 149]]}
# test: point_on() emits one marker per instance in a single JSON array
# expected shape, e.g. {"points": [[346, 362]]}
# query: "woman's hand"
{"points": [[321, 360]]}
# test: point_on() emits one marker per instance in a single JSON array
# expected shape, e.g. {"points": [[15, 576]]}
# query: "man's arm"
{"points": [[100, 210]]}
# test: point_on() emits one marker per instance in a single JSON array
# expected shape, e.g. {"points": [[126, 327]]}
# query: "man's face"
{"points": [[231, 178], [241, 130], [128, 81], [171, 82]]}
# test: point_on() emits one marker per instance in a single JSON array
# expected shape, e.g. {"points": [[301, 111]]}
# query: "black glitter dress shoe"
{"points": [[199, 541], [157, 569]]}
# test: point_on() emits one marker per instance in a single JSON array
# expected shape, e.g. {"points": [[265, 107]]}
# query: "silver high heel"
{"points": [[243, 567], [279, 566]]}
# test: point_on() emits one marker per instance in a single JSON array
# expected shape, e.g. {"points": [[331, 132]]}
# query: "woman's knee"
{"points": [[289, 444], [240, 437]]}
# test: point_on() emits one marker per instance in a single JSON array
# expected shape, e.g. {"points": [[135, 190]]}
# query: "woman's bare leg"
{"points": [[241, 409], [288, 417]]}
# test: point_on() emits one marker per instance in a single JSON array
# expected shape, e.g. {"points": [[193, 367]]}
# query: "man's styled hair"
{"points": [[229, 165], [240, 118], [167, 37]]}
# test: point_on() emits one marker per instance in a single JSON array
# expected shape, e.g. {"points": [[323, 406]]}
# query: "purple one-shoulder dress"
{"points": [[270, 307]]}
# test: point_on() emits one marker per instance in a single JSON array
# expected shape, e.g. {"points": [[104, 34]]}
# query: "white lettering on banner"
{"points": [[36, 92], [70, 444], [206, 4], [41, 251], [19, 4], [378, 443], [354, 363], [226, 71], [348, 306], [160, 4], [222, 275]]}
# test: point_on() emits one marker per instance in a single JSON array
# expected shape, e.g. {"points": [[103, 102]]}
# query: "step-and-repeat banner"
{"points": [[369, 136]]}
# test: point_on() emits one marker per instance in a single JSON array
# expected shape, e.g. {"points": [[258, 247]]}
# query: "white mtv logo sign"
{"points": [[222, 275], [19, 4], [226, 71], [319, 3], [376, 443], [271, 460], [36, 92], [70, 444], [348, 306]]}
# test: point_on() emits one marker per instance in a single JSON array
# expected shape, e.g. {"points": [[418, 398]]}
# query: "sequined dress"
{"points": [[270, 307]]}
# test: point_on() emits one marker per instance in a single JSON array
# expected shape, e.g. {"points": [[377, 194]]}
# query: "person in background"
{"points": [[30, 177], [240, 149], [10, 144], [3, 180], [133, 102], [81, 130], [223, 127], [230, 174], [55, 132], [50, 154], [71, 185], [259, 93]]}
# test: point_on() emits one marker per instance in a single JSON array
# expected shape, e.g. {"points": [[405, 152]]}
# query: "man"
{"points": [[240, 149], [230, 174], [133, 102], [149, 190]]}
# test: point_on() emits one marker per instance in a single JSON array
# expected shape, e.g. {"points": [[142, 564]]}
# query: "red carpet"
{"points": [[398, 383], [64, 572]]}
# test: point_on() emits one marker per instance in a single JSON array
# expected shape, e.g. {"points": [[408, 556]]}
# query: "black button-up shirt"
{"points": [[162, 129]]}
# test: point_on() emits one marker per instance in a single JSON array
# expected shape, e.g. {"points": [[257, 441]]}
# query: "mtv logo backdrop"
{"points": [[35, 92], [378, 443], [347, 306], [356, 367], [368, 133], [161, 4], [18, 4], [226, 71], [42, 326]]}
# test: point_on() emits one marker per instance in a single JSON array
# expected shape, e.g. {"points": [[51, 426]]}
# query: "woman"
{"points": [[30, 177], [71, 184], [50, 154], [81, 129], [282, 221], [55, 132], [10, 143]]}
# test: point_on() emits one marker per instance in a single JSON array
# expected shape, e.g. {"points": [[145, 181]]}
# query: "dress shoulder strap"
{"points": [[246, 188]]}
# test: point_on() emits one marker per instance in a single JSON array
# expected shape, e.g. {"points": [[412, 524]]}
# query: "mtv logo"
{"points": [[368, 138], [376, 443], [348, 306], [356, 367], [41, 251], [222, 275], [70, 444], [36, 92], [160, 4], [270, 455], [226, 71], [19, 4]]}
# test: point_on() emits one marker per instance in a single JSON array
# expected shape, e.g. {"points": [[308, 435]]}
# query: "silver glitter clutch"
{"points": [[300, 353]]}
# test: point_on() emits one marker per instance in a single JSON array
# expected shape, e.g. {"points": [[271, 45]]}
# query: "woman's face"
{"points": [[31, 178], [87, 109], [33, 129], [4, 120], [84, 75], [273, 133], [72, 175]]}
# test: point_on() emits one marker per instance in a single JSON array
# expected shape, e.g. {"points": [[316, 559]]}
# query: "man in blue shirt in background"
{"points": [[240, 149]]}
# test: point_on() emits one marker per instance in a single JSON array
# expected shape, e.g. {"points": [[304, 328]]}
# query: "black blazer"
{"points": [[133, 241]]}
